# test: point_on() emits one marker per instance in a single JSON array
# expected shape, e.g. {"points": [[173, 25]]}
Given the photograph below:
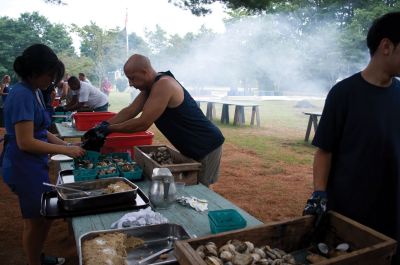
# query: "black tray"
{"points": [[50, 207]]}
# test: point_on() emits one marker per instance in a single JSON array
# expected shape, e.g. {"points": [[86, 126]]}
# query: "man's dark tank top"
{"points": [[187, 128]]}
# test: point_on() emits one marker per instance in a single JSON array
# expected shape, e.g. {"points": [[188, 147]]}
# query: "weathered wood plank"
{"points": [[195, 223], [294, 234]]}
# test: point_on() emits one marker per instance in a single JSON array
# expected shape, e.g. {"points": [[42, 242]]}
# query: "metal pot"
{"points": [[162, 193]]}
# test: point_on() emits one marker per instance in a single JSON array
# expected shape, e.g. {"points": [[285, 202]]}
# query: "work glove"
{"points": [[102, 128], [316, 205], [94, 139]]}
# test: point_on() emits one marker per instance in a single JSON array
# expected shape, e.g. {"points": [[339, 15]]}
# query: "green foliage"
{"points": [[75, 64], [104, 47], [28, 29], [136, 44], [157, 40], [201, 7]]}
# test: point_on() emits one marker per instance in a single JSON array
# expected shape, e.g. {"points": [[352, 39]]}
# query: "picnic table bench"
{"points": [[239, 117], [312, 120], [195, 223]]}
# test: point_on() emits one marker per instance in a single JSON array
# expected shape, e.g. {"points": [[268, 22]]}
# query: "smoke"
{"points": [[270, 52]]}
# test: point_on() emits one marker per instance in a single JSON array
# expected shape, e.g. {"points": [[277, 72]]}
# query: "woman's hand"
{"points": [[74, 151]]}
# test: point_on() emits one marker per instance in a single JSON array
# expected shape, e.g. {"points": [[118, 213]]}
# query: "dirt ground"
{"points": [[267, 197]]}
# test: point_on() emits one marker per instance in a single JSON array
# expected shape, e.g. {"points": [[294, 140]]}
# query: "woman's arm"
{"points": [[51, 138], [26, 142]]}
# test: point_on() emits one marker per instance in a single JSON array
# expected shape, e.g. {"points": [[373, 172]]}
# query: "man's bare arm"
{"points": [[153, 107], [131, 111]]}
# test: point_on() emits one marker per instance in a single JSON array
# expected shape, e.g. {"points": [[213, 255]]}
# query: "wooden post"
{"points": [[255, 115], [209, 113], [225, 114], [308, 128]]}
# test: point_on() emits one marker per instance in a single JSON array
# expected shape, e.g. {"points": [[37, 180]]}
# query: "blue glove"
{"points": [[316, 205]]}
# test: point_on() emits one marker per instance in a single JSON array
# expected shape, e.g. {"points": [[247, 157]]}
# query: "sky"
{"points": [[109, 14]]}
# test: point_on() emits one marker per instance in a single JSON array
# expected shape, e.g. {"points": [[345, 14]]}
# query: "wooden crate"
{"points": [[183, 168], [369, 247]]}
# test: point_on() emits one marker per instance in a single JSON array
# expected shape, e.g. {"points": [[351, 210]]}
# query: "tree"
{"points": [[103, 47], [136, 44], [157, 40], [28, 29], [201, 7]]}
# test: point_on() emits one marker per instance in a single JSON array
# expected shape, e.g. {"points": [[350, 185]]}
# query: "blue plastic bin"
{"points": [[136, 174], [84, 174]]}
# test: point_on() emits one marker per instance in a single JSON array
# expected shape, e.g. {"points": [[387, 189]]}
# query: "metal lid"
{"points": [[163, 174]]}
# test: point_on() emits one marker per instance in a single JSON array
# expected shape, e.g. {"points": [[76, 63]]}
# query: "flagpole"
{"points": [[126, 33]]}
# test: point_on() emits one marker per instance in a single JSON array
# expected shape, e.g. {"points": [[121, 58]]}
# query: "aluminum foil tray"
{"points": [[52, 209], [156, 238], [72, 201]]}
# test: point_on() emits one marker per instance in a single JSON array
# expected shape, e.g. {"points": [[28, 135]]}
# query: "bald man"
{"points": [[166, 103]]}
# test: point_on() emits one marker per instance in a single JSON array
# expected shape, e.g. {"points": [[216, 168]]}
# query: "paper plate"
{"points": [[61, 158]]}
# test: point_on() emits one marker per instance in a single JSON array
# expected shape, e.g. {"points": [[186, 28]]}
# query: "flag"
{"points": [[126, 33], [126, 19]]}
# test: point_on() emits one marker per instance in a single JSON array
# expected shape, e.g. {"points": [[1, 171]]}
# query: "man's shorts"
{"points": [[209, 171]]}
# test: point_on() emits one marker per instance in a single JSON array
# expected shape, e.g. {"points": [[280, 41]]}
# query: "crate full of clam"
{"points": [[339, 240], [183, 168]]}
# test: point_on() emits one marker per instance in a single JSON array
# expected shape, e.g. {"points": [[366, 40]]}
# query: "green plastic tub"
{"points": [[225, 220]]}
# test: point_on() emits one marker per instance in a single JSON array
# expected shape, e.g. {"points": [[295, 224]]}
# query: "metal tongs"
{"points": [[67, 188], [154, 256]]}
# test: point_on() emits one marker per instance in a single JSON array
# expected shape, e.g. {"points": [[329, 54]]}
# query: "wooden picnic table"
{"points": [[239, 117], [313, 120], [195, 223], [68, 132]]}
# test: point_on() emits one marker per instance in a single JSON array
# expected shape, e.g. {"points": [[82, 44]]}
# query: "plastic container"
{"points": [[125, 142], [136, 174], [225, 220], [87, 120], [125, 156], [84, 174], [55, 103], [102, 176], [89, 155], [59, 120]]}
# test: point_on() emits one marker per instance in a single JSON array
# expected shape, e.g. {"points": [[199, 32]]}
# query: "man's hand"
{"points": [[102, 128], [316, 205], [94, 138]]}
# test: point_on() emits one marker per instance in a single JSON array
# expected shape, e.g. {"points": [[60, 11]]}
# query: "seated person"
{"points": [[88, 98]]}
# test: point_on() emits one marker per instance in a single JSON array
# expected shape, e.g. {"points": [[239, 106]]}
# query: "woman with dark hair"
{"points": [[28, 143]]}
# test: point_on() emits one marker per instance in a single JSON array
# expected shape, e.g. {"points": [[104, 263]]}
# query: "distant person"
{"points": [[62, 89], [166, 103], [27, 144], [106, 86], [49, 96], [89, 98], [5, 87], [357, 163], [83, 78]]}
